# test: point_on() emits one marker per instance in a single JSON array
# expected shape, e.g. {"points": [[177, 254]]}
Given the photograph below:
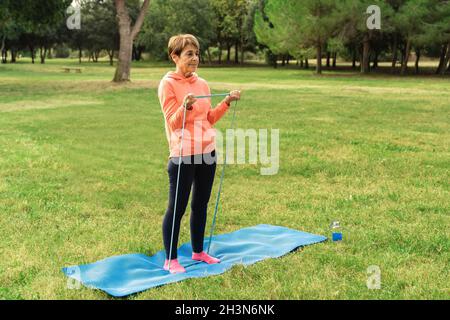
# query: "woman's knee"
{"points": [[199, 206]]}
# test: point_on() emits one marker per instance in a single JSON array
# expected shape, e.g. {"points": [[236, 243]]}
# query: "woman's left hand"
{"points": [[234, 96]]}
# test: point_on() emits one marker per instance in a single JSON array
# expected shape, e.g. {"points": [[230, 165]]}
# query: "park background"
{"points": [[364, 126]]}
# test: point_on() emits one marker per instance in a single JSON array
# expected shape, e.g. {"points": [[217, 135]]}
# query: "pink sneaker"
{"points": [[203, 256], [175, 266]]}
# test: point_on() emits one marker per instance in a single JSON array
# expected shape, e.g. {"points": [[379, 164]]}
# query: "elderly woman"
{"points": [[177, 92]]}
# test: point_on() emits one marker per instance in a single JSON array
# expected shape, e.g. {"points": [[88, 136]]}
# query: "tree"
{"points": [[234, 26], [5, 21], [127, 35], [351, 17], [439, 31], [248, 37], [318, 25], [301, 25], [33, 19], [271, 31], [165, 20], [409, 23], [100, 16], [153, 36]]}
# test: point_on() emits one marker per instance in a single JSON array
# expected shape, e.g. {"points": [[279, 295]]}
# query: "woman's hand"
{"points": [[188, 101], [234, 96]]}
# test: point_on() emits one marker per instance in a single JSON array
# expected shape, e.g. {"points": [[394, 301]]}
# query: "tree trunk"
{"points": [[137, 53], [124, 64], [202, 58], [236, 53], [406, 57], [272, 59], [417, 60], [283, 60], [441, 58], [13, 55], [80, 54], [33, 53], [242, 52], [208, 51], [133, 53], [354, 59], [328, 58], [402, 56], [301, 63], [228, 53], [220, 52], [127, 36], [365, 64], [4, 55], [360, 57], [43, 53], [306, 63], [319, 58], [334, 59], [446, 61], [375, 60], [394, 53], [2, 45], [111, 57]]}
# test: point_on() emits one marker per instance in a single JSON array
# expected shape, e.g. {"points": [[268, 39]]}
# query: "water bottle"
{"points": [[336, 231]]}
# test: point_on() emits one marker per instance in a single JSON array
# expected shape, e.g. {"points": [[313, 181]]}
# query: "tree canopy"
{"points": [[284, 29]]}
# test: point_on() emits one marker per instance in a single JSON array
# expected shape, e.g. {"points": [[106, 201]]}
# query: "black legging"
{"points": [[201, 176]]}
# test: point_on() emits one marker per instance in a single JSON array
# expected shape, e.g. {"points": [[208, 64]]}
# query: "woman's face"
{"points": [[187, 62]]}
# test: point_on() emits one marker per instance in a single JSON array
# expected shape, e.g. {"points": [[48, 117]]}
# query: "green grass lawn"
{"points": [[83, 177]]}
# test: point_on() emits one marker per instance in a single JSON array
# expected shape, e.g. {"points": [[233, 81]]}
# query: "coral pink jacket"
{"points": [[199, 134]]}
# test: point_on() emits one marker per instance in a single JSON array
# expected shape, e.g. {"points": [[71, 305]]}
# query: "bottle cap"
{"points": [[335, 225]]}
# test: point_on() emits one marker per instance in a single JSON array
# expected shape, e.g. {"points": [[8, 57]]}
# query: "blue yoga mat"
{"points": [[127, 274]]}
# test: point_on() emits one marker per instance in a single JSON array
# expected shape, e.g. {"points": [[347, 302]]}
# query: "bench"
{"points": [[67, 69]]}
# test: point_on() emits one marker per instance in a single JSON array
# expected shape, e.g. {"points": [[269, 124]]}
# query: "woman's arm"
{"points": [[218, 112], [215, 114], [173, 111]]}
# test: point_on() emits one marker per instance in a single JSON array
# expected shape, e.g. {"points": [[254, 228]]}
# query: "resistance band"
{"points": [[212, 95], [179, 169], [176, 189], [213, 225]]}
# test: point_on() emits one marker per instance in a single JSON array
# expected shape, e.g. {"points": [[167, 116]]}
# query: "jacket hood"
{"points": [[177, 77]]}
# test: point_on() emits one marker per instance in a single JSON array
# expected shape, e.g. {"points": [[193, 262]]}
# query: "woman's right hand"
{"points": [[233, 96], [188, 101]]}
